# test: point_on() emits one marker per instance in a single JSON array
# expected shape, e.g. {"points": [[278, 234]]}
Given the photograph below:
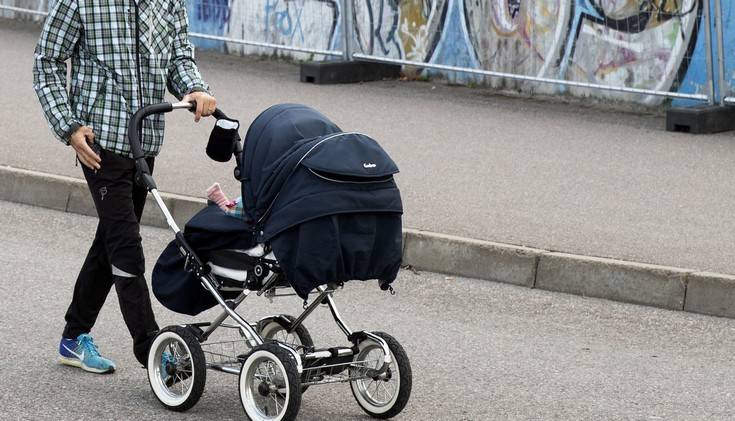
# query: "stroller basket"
{"points": [[224, 355]]}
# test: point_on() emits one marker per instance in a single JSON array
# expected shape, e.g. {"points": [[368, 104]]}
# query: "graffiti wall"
{"points": [[648, 44]]}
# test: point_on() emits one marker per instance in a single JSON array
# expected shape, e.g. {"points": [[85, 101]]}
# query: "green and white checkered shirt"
{"points": [[99, 38]]}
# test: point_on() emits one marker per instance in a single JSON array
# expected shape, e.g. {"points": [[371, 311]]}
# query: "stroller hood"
{"points": [[298, 166], [324, 200]]}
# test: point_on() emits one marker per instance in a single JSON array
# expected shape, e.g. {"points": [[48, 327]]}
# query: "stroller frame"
{"points": [[313, 366]]}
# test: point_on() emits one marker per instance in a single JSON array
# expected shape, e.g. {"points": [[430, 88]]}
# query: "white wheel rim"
{"points": [[262, 367], [377, 396], [179, 392], [275, 331]]}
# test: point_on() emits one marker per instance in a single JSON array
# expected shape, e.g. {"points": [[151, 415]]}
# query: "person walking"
{"points": [[124, 54]]}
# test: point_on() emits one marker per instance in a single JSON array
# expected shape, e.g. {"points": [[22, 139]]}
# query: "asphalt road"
{"points": [[479, 350], [548, 175]]}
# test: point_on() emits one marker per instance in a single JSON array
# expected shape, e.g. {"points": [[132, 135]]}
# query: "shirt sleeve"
{"points": [[59, 37], [183, 75]]}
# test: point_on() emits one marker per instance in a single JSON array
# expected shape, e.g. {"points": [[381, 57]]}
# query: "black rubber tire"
{"points": [[198, 365], [292, 374], [405, 382], [301, 332]]}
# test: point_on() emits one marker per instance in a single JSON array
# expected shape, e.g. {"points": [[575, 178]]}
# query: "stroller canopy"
{"points": [[324, 200], [297, 166]]}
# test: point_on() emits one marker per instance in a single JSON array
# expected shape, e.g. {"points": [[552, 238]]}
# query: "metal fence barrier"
{"points": [[22, 10], [645, 47], [557, 50], [252, 26], [725, 93], [510, 76], [210, 37]]}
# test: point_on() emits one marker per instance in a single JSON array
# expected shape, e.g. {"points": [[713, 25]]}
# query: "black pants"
{"points": [[119, 203]]}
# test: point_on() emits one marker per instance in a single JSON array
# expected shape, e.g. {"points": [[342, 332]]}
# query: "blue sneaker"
{"points": [[83, 353], [173, 371], [167, 363]]}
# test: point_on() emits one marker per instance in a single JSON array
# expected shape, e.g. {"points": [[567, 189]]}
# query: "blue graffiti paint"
{"points": [[208, 17], [337, 40], [454, 47], [391, 41], [284, 19], [728, 19], [581, 8], [695, 80]]}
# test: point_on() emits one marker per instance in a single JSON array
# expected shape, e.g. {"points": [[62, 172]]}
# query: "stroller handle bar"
{"points": [[143, 174]]}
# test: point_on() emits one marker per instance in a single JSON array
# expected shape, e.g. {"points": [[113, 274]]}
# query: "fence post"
{"points": [[720, 52], [714, 117], [708, 51], [347, 70], [348, 28]]}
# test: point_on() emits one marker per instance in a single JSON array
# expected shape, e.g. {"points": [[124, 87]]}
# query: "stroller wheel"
{"points": [[177, 369], [276, 328], [269, 384], [387, 394]]}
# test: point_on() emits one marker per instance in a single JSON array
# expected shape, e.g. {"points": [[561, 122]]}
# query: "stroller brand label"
{"points": [[369, 165]]}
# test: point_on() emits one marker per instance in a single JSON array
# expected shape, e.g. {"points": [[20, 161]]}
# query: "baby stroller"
{"points": [[321, 208]]}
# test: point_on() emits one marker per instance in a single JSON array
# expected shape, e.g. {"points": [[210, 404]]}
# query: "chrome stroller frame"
{"points": [[301, 364]]}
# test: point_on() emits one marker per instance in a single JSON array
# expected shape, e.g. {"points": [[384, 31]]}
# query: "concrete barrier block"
{"points": [[331, 72], [700, 119], [617, 280], [711, 293], [34, 188], [472, 258]]}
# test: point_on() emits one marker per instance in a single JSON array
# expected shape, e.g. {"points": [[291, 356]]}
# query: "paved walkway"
{"points": [[551, 176], [479, 350]]}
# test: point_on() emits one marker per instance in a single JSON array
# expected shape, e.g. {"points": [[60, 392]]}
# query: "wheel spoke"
{"points": [[269, 372], [180, 352], [259, 374], [387, 394], [275, 401], [390, 384], [274, 372], [373, 384]]}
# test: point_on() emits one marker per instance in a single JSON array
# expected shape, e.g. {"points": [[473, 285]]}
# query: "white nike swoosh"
{"points": [[80, 356]]}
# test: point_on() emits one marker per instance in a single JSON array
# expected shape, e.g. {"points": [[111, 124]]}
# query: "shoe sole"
{"points": [[76, 363]]}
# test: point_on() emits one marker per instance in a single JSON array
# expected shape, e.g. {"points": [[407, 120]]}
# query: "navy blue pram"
{"points": [[321, 208], [323, 201]]}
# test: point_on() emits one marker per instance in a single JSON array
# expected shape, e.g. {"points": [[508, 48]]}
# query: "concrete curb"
{"points": [[711, 293], [471, 258], [617, 280], [70, 194], [646, 284]]}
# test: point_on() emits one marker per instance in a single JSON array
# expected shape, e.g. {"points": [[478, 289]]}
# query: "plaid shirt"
{"points": [[99, 37]]}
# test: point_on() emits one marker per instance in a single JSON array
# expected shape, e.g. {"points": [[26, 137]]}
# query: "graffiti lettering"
{"points": [[636, 43], [285, 17], [215, 11]]}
